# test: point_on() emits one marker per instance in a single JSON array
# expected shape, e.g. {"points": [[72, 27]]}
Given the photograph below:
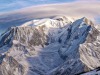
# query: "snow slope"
{"points": [[58, 46]]}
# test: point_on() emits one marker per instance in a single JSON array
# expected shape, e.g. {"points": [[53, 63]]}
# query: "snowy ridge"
{"points": [[58, 46]]}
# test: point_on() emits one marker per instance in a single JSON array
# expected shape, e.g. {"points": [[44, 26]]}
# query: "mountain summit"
{"points": [[58, 46]]}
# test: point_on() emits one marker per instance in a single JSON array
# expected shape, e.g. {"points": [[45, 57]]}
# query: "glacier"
{"points": [[57, 46]]}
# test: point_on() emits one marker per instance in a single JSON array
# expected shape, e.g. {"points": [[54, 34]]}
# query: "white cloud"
{"points": [[76, 9], [79, 9], [87, 0]]}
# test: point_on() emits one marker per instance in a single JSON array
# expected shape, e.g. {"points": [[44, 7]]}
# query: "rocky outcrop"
{"points": [[50, 47], [81, 53], [9, 66]]}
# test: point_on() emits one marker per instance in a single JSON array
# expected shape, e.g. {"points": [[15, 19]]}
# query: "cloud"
{"points": [[10, 5], [87, 0], [75, 9]]}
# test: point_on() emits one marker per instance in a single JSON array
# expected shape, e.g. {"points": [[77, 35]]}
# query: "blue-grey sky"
{"points": [[10, 5]]}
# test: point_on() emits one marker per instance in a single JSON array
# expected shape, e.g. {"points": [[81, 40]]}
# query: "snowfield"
{"points": [[57, 46]]}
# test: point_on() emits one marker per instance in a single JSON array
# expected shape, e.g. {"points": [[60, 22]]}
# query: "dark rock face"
{"points": [[52, 47], [24, 35], [93, 35]]}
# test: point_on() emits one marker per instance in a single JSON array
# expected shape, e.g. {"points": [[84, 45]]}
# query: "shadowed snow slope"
{"points": [[58, 46]]}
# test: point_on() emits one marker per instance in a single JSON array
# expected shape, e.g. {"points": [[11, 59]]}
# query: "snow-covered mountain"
{"points": [[57, 46]]}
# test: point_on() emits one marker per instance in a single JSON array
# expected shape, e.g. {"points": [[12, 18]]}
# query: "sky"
{"points": [[10, 5]]}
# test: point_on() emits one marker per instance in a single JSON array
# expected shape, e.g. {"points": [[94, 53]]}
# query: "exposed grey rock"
{"points": [[10, 66], [50, 47]]}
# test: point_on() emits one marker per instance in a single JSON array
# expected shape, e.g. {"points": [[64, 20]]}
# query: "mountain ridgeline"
{"points": [[57, 46]]}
